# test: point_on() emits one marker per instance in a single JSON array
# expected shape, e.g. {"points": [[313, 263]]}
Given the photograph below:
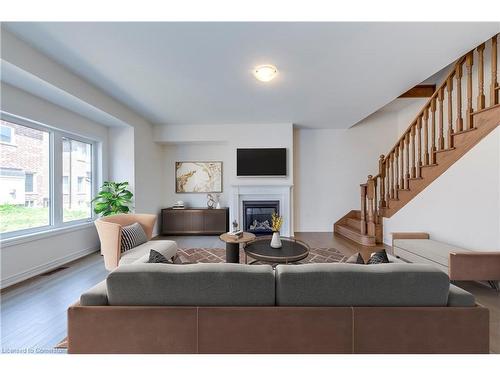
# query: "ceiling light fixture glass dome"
{"points": [[265, 73]]}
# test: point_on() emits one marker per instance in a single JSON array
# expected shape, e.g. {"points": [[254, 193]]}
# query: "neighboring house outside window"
{"points": [[29, 183], [6, 134]]}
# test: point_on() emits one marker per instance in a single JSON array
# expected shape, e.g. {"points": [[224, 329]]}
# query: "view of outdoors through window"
{"points": [[77, 179], [24, 177]]}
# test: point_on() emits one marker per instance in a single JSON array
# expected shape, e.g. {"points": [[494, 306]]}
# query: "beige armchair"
{"points": [[109, 229]]}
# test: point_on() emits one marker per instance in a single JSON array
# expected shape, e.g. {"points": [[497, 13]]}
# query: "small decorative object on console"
{"points": [[179, 205], [277, 222]]}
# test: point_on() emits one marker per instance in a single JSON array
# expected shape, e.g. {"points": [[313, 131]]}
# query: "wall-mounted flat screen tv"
{"points": [[260, 162]]}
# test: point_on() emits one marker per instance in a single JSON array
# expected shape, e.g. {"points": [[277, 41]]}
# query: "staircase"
{"points": [[447, 127]]}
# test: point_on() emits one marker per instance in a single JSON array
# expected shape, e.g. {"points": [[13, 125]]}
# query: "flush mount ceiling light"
{"points": [[265, 73]]}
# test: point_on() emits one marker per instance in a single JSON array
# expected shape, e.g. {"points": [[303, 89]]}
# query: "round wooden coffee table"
{"points": [[233, 245], [292, 250]]}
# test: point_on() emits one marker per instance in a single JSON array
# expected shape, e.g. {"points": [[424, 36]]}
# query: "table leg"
{"points": [[232, 252]]}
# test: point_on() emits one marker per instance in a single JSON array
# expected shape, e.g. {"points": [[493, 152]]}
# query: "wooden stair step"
{"points": [[429, 165], [463, 131], [444, 150], [354, 223], [355, 235]]}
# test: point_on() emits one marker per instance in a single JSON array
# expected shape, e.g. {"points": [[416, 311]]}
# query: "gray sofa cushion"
{"points": [[95, 296], [392, 284], [457, 297], [202, 284], [140, 253]]}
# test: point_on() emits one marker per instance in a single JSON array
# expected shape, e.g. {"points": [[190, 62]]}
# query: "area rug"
{"points": [[218, 255]]}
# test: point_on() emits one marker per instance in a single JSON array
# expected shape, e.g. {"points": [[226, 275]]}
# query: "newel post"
{"points": [[363, 208], [381, 171], [370, 214]]}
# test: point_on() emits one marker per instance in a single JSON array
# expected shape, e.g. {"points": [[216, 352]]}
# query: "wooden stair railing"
{"points": [[448, 113]]}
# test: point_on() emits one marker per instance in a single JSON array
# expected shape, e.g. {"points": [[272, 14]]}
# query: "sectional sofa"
{"points": [[310, 308]]}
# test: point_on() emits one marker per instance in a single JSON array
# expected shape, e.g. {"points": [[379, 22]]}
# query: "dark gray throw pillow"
{"points": [[132, 235], [355, 259], [156, 257], [378, 257]]}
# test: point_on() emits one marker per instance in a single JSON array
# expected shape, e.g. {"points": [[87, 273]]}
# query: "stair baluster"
{"points": [[413, 143], [481, 100], [469, 60], [407, 167], [494, 82], [396, 172], [425, 126], [381, 169], [433, 131], [440, 119], [401, 165], [419, 147], [391, 178], [458, 77], [449, 89]]}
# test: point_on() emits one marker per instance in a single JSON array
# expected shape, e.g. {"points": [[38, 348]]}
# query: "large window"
{"points": [[77, 167], [46, 177]]}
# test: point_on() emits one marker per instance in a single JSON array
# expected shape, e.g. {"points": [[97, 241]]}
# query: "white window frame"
{"points": [[12, 137], [55, 177]]}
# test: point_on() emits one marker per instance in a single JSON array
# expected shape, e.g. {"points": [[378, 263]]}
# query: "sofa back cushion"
{"points": [[203, 284], [392, 284]]}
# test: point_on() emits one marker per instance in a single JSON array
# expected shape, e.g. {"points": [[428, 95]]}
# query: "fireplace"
{"points": [[257, 216]]}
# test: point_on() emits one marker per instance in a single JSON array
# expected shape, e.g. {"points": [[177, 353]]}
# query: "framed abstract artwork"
{"points": [[198, 177]]}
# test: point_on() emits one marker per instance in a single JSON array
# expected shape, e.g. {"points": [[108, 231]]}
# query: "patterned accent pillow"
{"points": [[156, 257], [132, 235], [378, 257]]}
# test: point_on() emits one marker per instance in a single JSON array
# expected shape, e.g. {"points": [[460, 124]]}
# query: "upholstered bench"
{"points": [[459, 263]]}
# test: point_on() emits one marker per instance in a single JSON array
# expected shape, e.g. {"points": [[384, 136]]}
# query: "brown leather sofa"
{"points": [[316, 308]]}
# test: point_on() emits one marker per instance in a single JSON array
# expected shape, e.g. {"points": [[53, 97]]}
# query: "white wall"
{"points": [[330, 164], [219, 143], [462, 206], [21, 260]]}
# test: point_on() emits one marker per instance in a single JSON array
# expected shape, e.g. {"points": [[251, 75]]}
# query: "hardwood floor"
{"points": [[33, 313]]}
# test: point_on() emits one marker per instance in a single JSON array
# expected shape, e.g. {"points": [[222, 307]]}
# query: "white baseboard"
{"points": [[38, 270]]}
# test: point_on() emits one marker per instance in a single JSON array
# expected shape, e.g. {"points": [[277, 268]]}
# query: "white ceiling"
{"points": [[331, 74]]}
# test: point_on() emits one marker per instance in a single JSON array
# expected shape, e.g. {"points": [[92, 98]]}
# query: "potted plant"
{"points": [[113, 198], [276, 223]]}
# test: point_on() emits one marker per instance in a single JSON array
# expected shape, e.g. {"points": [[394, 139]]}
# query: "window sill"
{"points": [[12, 241]]}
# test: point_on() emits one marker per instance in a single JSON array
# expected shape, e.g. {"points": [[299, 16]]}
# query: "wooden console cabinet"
{"points": [[201, 221]]}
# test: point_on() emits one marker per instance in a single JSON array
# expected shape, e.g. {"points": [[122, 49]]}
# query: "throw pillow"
{"points": [[156, 257], [132, 235], [355, 259], [378, 257]]}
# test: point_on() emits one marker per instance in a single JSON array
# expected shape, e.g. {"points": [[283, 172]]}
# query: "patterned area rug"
{"points": [[218, 255]]}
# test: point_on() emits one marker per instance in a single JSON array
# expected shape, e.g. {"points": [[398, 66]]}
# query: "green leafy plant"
{"points": [[113, 198]]}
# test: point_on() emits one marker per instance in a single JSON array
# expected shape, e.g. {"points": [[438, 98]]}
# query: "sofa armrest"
{"points": [[409, 236], [474, 265], [95, 296]]}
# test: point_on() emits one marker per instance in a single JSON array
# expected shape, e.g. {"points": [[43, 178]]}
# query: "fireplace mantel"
{"points": [[281, 193]]}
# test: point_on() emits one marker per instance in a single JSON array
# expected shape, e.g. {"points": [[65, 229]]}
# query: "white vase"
{"points": [[276, 240]]}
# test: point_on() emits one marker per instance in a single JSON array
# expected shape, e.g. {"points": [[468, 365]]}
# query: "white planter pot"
{"points": [[276, 240]]}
